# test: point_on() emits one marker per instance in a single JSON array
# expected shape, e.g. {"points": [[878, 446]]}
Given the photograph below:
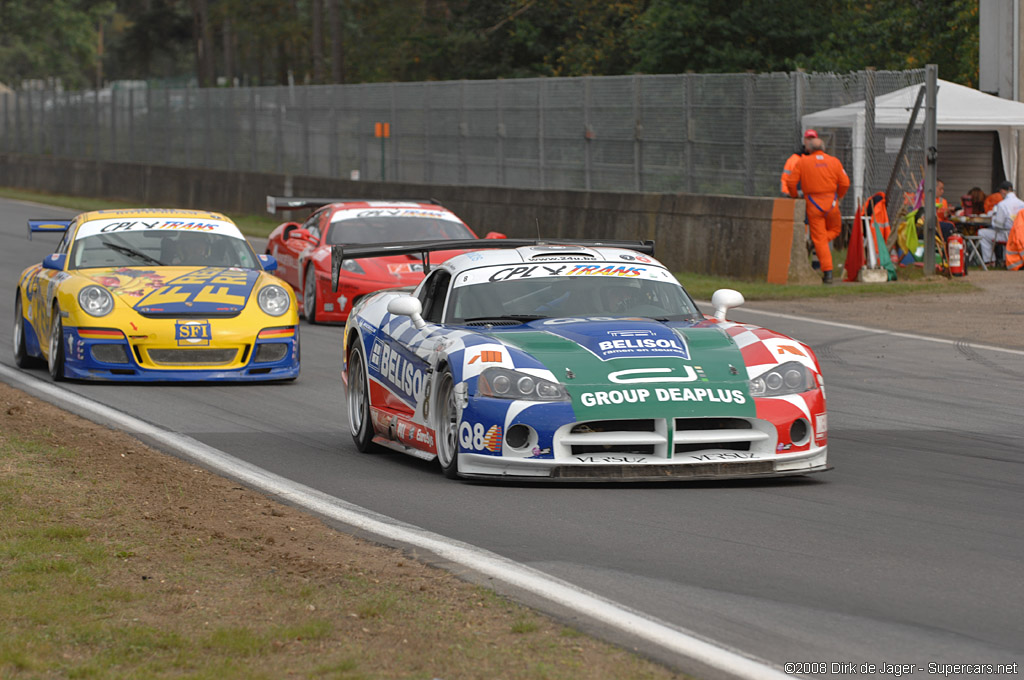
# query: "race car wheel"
{"points": [[447, 427], [359, 401], [21, 356], [55, 360], [309, 294]]}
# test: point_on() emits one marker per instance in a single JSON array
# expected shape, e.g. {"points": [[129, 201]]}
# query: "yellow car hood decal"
{"points": [[179, 290]]}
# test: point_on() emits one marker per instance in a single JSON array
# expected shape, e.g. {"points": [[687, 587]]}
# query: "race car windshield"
{"points": [[162, 248], [563, 296], [395, 229]]}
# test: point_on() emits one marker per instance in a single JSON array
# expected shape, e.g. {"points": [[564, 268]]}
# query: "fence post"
{"points": [[638, 133], [748, 134], [96, 126], [279, 135], [254, 133], [149, 123], [799, 94], [395, 165], [113, 124], [305, 131], [463, 132], [230, 129], [332, 139], [931, 157], [500, 132], [869, 134], [688, 146], [131, 124], [588, 133], [540, 132]]}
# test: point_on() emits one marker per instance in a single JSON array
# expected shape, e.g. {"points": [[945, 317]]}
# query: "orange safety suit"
{"points": [[1015, 243], [824, 183], [787, 170], [991, 200]]}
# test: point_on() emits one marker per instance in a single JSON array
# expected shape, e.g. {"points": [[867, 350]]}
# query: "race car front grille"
{"points": [[192, 357], [190, 315], [694, 435], [660, 438], [613, 426], [619, 449], [694, 471]]}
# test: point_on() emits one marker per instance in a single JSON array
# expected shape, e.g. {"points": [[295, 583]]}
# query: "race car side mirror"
{"points": [[725, 299], [408, 305], [269, 262], [55, 261], [495, 234]]}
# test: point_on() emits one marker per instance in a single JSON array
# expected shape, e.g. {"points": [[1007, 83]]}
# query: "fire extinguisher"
{"points": [[955, 252]]}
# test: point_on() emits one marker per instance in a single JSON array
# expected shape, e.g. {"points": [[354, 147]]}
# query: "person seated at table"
{"points": [[941, 204], [1002, 220], [942, 211], [972, 203], [992, 199]]}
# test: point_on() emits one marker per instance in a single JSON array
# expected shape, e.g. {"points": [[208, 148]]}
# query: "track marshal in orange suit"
{"points": [[824, 183]]}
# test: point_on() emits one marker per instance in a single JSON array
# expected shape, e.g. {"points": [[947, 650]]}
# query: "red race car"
{"points": [[303, 251]]}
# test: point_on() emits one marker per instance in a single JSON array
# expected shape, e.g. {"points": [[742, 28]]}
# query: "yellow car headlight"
{"points": [[274, 300], [95, 300]]}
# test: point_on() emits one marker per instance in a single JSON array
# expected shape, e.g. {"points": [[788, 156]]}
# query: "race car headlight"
{"points": [[504, 383], [352, 266], [790, 378], [95, 300], [274, 300]]}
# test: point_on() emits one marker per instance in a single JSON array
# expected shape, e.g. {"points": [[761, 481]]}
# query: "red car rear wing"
{"points": [[279, 203], [340, 253]]}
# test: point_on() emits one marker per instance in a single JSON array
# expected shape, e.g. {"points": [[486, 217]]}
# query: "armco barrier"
{"points": [[757, 239]]}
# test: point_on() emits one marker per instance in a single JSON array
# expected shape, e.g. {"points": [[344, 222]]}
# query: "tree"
{"points": [[902, 34], [58, 39], [271, 41]]}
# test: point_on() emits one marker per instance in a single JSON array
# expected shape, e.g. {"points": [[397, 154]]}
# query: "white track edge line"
{"points": [[483, 561], [869, 329]]}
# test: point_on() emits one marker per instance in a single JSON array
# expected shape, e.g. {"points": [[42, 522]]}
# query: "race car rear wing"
{"points": [[279, 203], [48, 226], [340, 253]]}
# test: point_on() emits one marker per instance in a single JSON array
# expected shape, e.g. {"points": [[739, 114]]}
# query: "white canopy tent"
{"points": [[957, 108]]}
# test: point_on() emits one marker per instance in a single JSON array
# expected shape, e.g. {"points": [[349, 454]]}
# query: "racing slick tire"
{"points": [[21, 355], [447, 427], [309, 300], [55, 360], [358, 397]]}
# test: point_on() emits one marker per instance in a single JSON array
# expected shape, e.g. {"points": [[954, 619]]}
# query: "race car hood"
{"points": [[178, 290], [404, 269], [636, 368]]}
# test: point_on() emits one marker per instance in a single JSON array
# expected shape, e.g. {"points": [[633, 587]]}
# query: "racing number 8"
{"points": [[472, 437]]}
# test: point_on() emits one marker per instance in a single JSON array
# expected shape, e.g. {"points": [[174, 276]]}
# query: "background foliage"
{"points": [[264, 42]]}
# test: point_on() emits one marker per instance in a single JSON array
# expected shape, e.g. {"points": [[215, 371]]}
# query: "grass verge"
{"points": [[121, 562], [701, 287]]}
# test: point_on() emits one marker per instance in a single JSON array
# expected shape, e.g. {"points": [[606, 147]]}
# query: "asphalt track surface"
{"points": [[911, 551]]}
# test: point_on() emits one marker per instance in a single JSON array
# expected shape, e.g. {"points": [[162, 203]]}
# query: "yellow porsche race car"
{"points": [[155, 295]]}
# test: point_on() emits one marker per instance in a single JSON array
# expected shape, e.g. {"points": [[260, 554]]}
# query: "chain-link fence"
{"points": [[696, 133]]}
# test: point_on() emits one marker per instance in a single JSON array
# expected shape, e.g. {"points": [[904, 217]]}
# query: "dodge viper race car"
{"points": [[303, 251], [155, 295], [575, 361]]}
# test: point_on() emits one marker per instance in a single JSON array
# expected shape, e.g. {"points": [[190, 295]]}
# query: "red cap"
{"points": [[810, 133]]}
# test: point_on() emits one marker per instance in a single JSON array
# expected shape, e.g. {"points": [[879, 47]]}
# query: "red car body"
{"points": [[303, 250]]}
